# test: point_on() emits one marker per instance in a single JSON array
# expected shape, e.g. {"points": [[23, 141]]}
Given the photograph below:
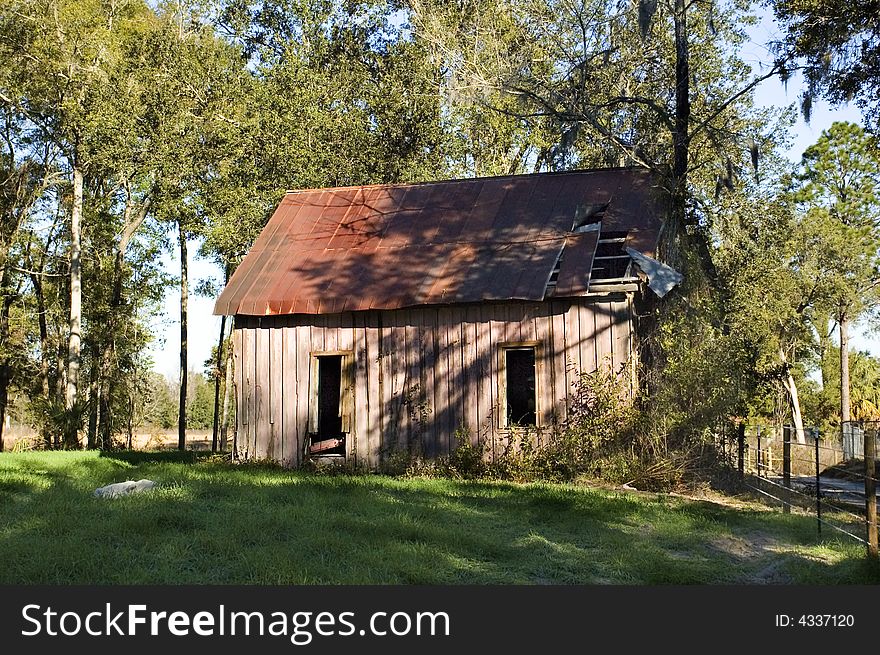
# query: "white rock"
{"points": [[124, 488]]}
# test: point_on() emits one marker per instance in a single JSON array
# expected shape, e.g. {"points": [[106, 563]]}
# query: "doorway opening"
{"points": [[327, 438]]}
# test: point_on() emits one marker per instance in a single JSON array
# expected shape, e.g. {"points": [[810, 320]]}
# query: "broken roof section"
{"points": [[401, 245]]}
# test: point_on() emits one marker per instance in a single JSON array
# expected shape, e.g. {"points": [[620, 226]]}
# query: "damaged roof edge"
{"points": [[661, 278]]}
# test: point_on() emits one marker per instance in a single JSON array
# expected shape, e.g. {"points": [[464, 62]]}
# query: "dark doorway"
{"points": [[520, 382], [329, 440], [329, 377]]}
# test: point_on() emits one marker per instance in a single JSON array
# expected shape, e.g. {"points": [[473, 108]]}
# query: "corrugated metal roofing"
{"points": [[391, 246]]}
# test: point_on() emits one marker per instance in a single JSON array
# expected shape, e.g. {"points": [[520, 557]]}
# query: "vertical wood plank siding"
{"points": [[419, 374]]}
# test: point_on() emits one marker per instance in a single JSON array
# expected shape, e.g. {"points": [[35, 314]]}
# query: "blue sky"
{"points": [[204, 328]]}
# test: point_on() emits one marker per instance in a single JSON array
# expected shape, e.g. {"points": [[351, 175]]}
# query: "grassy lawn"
{"points": [[211, 522]]}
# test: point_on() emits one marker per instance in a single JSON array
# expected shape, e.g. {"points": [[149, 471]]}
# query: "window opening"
{"points": [[520, 386]]}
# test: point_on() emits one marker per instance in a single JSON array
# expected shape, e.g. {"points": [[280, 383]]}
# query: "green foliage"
{"points": [[466, 461], [600, 415], [822, 401], [565, 85], [792, 252], [162, 397], [592, 84], [51, 418], [82, 87], [838, 194], [339, 96], [838, 43], [204, 118], [200, 402], [161, 402], [171, 123], [519, 456], [697, 369]]}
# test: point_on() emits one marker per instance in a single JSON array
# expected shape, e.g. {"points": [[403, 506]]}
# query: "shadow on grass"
{"points": [[166, 456], [218, 523]]}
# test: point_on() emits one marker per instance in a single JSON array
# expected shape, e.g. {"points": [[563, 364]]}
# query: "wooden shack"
{"points": [[375, 319]]}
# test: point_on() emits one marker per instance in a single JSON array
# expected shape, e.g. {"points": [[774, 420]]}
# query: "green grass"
{"points": [[212, 522]]}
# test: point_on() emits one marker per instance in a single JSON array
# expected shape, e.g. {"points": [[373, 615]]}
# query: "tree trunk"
{"points": [[227, 395], [37, 283], [132, 221], [71, 399], [673, 230], [94, 408], [4, 339], [4, 399], [181, 413], [824, 347], [844, 368], [793, 399], [60, 385], [130, 422], [106, 373], [217, 376]]}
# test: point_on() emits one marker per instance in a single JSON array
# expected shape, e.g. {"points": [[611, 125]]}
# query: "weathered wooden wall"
{"points": [[419, 374]]}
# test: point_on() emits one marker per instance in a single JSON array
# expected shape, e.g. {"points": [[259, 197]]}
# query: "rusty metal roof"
{"points": [[399, 245]]}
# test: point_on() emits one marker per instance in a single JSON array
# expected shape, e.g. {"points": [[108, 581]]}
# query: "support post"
{"points": [[870, 439], [218, 374], [741, 449], [818, 487], [786, 468], [758, 453]]}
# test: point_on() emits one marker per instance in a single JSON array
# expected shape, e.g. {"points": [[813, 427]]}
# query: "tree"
{"points": [[771, 270], [78, 86], [62, 54], [824, 402], [839, 43], [618, 81], [23, 180], [196, 80], [839, 194], [199, 402]]}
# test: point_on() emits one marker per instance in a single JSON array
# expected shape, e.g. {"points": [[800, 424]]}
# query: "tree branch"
{"points": [[736, 96], [662, 113]]}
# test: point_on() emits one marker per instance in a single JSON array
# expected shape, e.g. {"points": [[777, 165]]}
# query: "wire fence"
{"points": [[829, 476]]}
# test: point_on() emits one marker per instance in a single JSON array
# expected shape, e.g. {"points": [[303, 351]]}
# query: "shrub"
{"points": [[518, 458], [601, 418], [467, 459]]}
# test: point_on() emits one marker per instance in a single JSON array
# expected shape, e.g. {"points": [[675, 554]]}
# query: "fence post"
{"points": [[818, 488], [758, 453], [741, 449], [869, 437], [786, 467]]}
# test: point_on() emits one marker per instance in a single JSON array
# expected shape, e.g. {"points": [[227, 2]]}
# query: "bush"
{"points": [[601, 418], [517, 459], [467, 460]]}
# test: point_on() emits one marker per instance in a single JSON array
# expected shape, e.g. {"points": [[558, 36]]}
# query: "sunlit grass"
{"points": [[213, 522]]}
